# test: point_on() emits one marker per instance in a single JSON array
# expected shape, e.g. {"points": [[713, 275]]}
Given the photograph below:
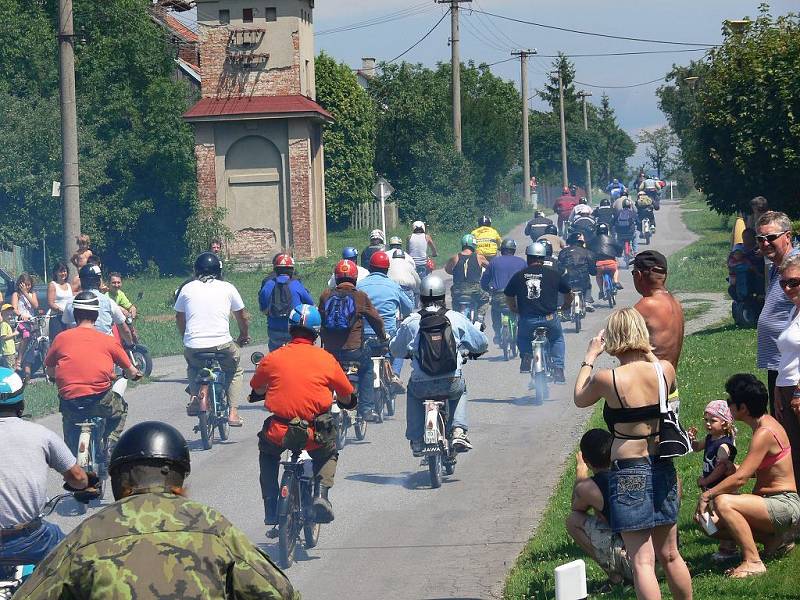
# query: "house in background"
{"points": [[184, 40]]}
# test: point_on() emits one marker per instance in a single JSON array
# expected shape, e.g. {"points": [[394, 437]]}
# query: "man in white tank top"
{"points": [[419, 242]]}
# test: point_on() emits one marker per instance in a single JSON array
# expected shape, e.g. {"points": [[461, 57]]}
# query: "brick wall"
{"points": [[300, 186], [206, 155]]}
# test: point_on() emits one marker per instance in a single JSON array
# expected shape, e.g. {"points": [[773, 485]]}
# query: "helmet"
{"points": [[151, 441], [642, 193], [484, 221], [468, 241], [432, 288], [548, 247], [602, 229], [11, 387], [583, 201], [208, 264], [377, 234], [605, 202], [283, 260], [508, 244], [627, 203], [418, 225], [350, 253], [576, 237], [346, 270], [86, 301], [395, 241], [536, 249], [379, 260], [90, 276], [305, 316], [538, 214], [551, 229], [398, 253]]}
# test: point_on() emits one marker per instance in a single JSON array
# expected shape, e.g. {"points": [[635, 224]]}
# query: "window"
{"points": [[225, 17], [247, 15], [270, 14]]}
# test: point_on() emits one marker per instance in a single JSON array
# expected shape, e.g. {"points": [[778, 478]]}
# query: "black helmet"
{"points": [[508, 245], [208, 264], [551, 230], [602, 229], [605, 202], [576, 237], [90, 276], [151, 442], [484, 221]]}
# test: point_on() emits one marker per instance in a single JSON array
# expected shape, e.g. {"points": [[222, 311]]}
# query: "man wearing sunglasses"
{"points": [[774, 240]]}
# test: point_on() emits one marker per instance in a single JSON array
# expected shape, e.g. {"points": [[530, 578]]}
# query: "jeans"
{"points": [[31, 547], [527, 327], [498, 303], [642, 494], [229, 365], [277, 339], [455, 388], [634, 241]]}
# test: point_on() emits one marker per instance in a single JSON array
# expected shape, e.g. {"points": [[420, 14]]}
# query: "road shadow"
{"points": [[300, 553], [197, 445], [421, 480], [380, 479], [524, 401]]}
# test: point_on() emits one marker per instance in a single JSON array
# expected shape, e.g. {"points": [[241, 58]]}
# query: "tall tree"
{"points": [[661, 149], [615, 145]]}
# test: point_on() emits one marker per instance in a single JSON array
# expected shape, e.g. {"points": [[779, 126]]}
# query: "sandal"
{"points": [[746, 570]]}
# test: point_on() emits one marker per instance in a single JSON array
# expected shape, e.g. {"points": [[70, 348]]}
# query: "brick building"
{"points": [[258, 130]]}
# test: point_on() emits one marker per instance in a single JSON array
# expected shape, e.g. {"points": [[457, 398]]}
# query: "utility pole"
{"points": [[526, 147], [583, 95], [455, 62], [70, 192], [564, 174]]}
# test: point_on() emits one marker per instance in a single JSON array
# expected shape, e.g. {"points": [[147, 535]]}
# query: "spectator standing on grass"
{"points": [[8, 336], [59, 292], [774, 238], [758, 207]]}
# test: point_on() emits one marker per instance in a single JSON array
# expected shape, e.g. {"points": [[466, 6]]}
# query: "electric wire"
{"points": [[411, 11], [473, 31], [422, 39], [494, 26], [621, 87]]}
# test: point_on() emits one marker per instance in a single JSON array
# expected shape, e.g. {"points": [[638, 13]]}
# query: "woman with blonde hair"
{"points": [[643, 489]]}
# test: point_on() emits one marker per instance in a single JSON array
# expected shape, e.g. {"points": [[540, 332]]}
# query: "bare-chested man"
{"points": [[661, 310]]}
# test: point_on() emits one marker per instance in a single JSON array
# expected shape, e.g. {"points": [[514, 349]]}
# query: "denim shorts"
{"points": [[643, 493]]}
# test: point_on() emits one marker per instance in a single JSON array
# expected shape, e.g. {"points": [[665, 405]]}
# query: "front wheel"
{"points": [[141, 359], [341, 432], [435, 469], [206, 427], [223, 426], [390, 403]]}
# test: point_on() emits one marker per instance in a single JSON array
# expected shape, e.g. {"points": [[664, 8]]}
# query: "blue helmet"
{"points": [[11, 387], [350, 253], [305, 316]]}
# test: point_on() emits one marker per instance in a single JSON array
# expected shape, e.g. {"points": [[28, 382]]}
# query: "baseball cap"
{"points": [[650, 260], [6, 307]]}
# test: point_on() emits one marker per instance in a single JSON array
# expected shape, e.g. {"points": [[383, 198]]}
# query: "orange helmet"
{"points": [[346, 270], [283, 260], [379, 260]]}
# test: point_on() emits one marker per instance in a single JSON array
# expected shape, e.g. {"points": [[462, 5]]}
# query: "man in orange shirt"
{"points": [[82, 362], [295, 382]]}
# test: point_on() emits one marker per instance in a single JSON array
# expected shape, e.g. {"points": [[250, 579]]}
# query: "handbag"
{"points": [[673, 441]]}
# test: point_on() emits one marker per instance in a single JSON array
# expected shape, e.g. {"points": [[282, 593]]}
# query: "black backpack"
{"points": [[280, 301], [340, 312], [437, 353]]}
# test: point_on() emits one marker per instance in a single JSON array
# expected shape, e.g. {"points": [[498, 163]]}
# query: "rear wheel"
{"points": [[206, 427], [577, 319], [341, 431], [360, 427], [540, 386], [390, 402], [288, 525], [449, 467], [435, 469]]}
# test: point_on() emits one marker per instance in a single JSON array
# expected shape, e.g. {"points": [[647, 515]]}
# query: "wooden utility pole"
{"points": [[455, 61], [70, 193], [584, 95], [526, 148], [564, 173]]}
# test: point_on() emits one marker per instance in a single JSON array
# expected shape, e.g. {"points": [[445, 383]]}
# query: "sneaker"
{"points": [[371, 416], [618, 285], [525, 363], [460, 441], [558, 376], [417, 448], [397, 385]]}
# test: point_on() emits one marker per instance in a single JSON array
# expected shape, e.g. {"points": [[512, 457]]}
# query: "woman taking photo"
{"points": [[59, 293], [643, 489], [774, 506]]}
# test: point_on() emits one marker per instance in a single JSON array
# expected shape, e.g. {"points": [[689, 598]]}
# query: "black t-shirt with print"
{"points": [[536, 289]]}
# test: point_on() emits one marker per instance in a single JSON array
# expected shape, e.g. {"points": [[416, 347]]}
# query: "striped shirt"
{"points": [[772, 321]]}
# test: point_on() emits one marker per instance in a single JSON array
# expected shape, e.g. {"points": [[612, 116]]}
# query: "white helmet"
{"points": [[418, 225], [377, 234]]}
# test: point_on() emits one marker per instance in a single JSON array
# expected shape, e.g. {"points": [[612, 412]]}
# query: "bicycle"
{"points": [[213, 406], [627, 253], [466, 306], [647, 230], [609, 289], [381, 378], [508, 333], [540, 365], [295, 507], [577, 309], [344, 418]]}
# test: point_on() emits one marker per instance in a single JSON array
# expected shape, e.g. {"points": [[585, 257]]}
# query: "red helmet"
{"points": [[379, 260], [283, 260], [346, 270]]}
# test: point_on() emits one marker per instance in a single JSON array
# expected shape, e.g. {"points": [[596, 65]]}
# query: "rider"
{"points": [[295, 383], [581, 208], [626, 224], [645, 209], [279, 294], [82, 362], [650, 186], [487, 238], [117, 295], [153, 540], [31, 450], [110, 314], [404, 274], [579, 264], [551, 237], [563, 206], [449, 382], [496, 277], [420, 246], [349, 253], [533, 294], [202, 313], [534, 228], [466, 267], [604, 213], [389, 300], [377, 242], [582, 219], [605, 251], [615, 189]]}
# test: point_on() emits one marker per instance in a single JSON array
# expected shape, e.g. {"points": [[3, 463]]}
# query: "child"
{"points": [[8, 349], [82, 254]]}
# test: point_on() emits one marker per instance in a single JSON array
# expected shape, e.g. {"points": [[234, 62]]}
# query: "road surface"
{"points": [[393, 536]]}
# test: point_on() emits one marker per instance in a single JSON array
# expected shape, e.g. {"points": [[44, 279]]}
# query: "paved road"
{"points": [[393, 536]]}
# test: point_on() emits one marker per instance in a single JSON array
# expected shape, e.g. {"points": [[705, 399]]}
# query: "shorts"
{"points": [[608, 547], [643, 494], [609, 265], [783, 509]]}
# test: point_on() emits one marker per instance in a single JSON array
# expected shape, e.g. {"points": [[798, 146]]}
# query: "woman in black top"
{"points": [[643, 489]]}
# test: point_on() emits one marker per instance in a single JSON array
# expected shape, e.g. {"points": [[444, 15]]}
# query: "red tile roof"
{"points": [[178, 28], [257, 105]]}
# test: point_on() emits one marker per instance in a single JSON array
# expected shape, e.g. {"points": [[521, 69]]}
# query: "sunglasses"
{"points": [[790, 283], [770, 237]]}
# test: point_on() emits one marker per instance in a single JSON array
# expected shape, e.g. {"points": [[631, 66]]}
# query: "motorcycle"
{"points": [[540, 365], [138, 353], [577, 309], [647, 230]]}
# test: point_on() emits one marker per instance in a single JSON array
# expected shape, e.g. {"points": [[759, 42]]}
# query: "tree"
{"points": [[349, 142], [661, 145], [735, 114], [614, 147]]}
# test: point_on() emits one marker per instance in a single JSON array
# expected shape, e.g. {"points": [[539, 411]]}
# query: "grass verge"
{"points": [[695, 310]]}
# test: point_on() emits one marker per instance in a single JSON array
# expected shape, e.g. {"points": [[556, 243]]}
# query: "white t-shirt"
{"points": [[789, 347], [207, 306], [31, 450]]}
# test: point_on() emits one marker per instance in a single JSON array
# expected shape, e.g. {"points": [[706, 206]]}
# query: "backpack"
{"points": [[340, 312], [624, 220], [644, 202], [280, 300], [437, 353]]}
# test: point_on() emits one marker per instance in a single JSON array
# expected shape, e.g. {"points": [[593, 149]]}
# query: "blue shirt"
{"points": [[300, 295], [772, 321], [406, 342], [499, 272], [388, 298]]}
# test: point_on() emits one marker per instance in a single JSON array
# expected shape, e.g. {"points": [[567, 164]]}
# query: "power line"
{"points": [[420, 40], [473, 31], [592, 33], [496, 28], [411, 11], [500, 62], [621, 87], [623, 53]]}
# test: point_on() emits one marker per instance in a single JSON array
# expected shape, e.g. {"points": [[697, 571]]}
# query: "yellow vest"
{"points": [[488, 241]]}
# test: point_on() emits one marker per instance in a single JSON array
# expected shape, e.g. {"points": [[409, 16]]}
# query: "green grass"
{"points": [[695, 310], [706, 363], [701, 266]]}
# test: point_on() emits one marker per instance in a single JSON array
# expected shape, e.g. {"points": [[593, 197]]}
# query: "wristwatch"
{"points": [[585, 364]]}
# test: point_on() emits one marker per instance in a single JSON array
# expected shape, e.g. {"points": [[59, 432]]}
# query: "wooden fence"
{"points": [[368, 216]]}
